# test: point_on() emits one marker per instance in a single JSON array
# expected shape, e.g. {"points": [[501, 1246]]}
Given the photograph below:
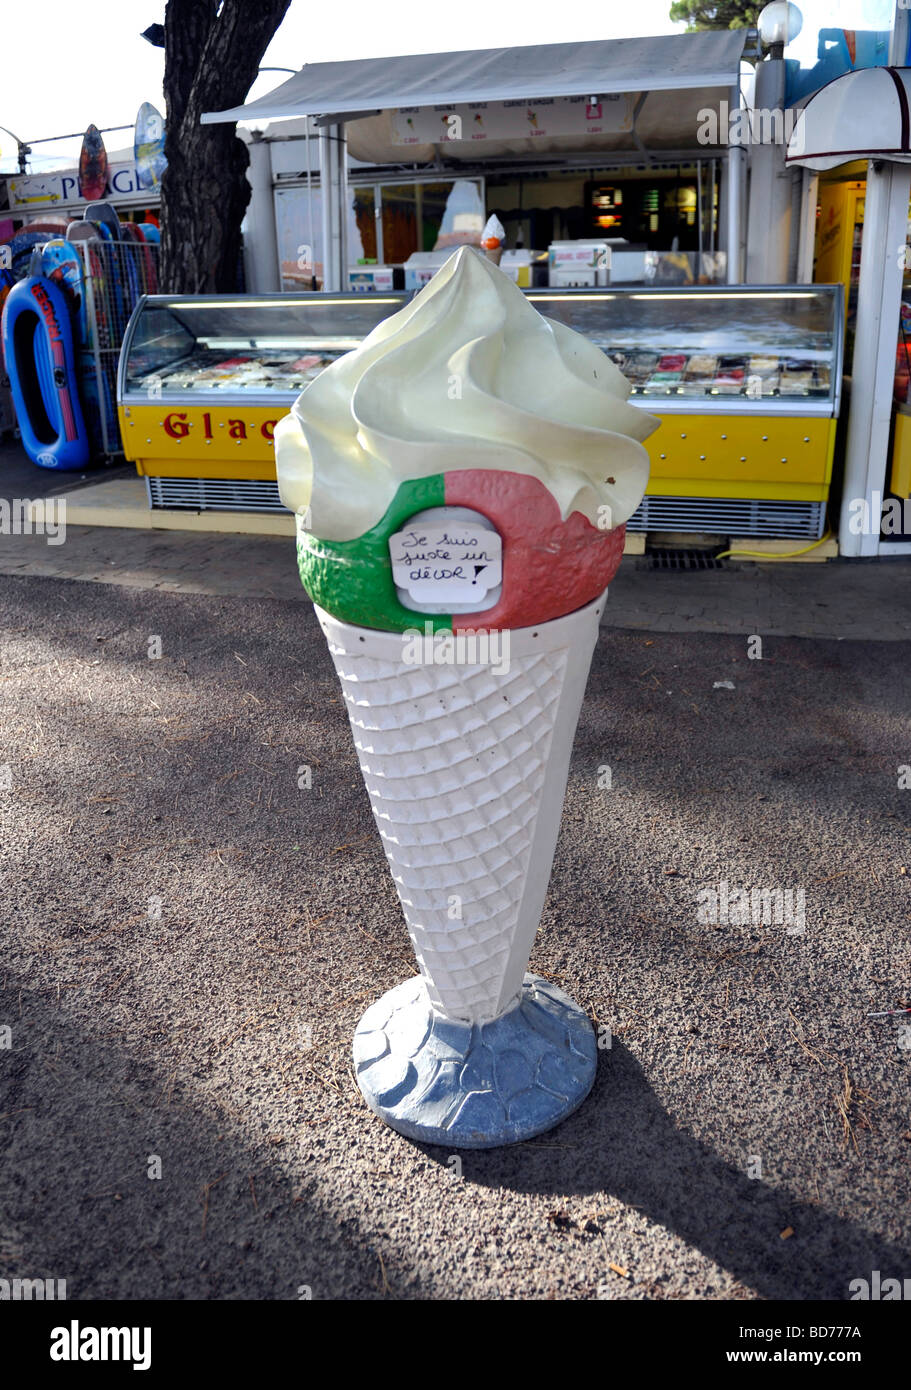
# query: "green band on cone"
{"points": [[352, 580]]}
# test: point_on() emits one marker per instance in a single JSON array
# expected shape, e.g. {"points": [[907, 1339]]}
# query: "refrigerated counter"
{"points": [[747, 383], [204, 379]]}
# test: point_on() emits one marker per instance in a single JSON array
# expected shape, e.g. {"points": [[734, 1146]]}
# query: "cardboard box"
{"points": [[421, 266], [517, 265]]}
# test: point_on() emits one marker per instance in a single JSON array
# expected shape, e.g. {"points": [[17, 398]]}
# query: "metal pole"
{"points": [[333, 163], [341, 154], [736, 181], [310, 210], [261, 238], [712, 203], [327, 189], [378, 222], [699, 212], [769, 221], [878, 302]]}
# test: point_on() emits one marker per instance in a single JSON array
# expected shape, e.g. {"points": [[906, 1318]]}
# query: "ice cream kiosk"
{"points": [[203, 381]]}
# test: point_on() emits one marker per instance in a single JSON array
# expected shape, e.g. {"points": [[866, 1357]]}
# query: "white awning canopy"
{"points": [[668, 62], [861, 115]]}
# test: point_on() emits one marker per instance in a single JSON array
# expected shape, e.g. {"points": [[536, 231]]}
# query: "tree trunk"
{"points": [[212, 56]]}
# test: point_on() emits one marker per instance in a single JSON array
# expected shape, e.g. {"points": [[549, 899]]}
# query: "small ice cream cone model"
{"points": [[493, 238], [461, 483]]}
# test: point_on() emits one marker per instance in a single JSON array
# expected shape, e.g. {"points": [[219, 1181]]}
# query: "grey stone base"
{"points": [[475, 1086]]}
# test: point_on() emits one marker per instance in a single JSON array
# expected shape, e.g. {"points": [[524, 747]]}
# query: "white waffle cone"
{"points": [[466, 771]]}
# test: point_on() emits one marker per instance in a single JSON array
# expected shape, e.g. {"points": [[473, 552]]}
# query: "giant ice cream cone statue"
{"points": [[461, 481]]}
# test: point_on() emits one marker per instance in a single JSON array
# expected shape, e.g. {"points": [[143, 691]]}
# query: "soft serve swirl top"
{"points": [[468, 375]]}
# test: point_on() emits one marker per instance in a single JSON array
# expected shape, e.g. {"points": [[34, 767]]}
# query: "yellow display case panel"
{"points": [[900, 476], [788, 457], [761, 456], [205, 441]]}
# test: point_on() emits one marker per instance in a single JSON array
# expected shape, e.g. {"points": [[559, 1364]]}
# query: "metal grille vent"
{"points": [[713, 515], [681, 560], [215, 494], [730, 516]]}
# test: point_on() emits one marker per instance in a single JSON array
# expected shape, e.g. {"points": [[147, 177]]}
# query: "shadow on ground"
{"points": [[177, 780]]}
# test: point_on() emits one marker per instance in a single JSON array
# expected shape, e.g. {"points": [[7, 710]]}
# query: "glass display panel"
{"points": [[231, 345], [688, 344]]}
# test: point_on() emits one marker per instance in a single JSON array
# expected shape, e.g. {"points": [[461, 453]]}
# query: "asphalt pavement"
{"points": [[190, 936]]}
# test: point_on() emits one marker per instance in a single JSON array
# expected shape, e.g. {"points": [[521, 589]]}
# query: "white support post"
{"points": [[769, 218], [333, 178], [327, 189], [341, 152], [724, 186], [735, 187], [260, 240], [806, 246], [878, 301]]}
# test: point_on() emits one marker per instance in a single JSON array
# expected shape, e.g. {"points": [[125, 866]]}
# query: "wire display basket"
{"points": [[115, 274]]}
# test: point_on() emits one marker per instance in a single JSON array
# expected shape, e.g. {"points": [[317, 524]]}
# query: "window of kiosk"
{"points": [[649, 209], [387, 222], [413, 216], [362, 228], [298, 229]]}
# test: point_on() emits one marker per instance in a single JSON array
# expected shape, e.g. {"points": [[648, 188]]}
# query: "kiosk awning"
{"points": [[668, 62], [860, 115]]}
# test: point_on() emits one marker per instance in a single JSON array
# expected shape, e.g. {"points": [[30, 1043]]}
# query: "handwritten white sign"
{"points": [[456, 563]]}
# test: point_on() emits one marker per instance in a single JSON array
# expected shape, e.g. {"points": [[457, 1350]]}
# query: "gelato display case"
{"points": [[747, 383], [745, 379], [203, 381]]}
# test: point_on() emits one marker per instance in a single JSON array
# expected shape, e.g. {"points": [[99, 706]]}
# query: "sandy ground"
{"points": [[189, 939]]}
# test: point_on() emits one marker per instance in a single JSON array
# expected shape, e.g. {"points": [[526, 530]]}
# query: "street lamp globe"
{"points": [[778, 24]]}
